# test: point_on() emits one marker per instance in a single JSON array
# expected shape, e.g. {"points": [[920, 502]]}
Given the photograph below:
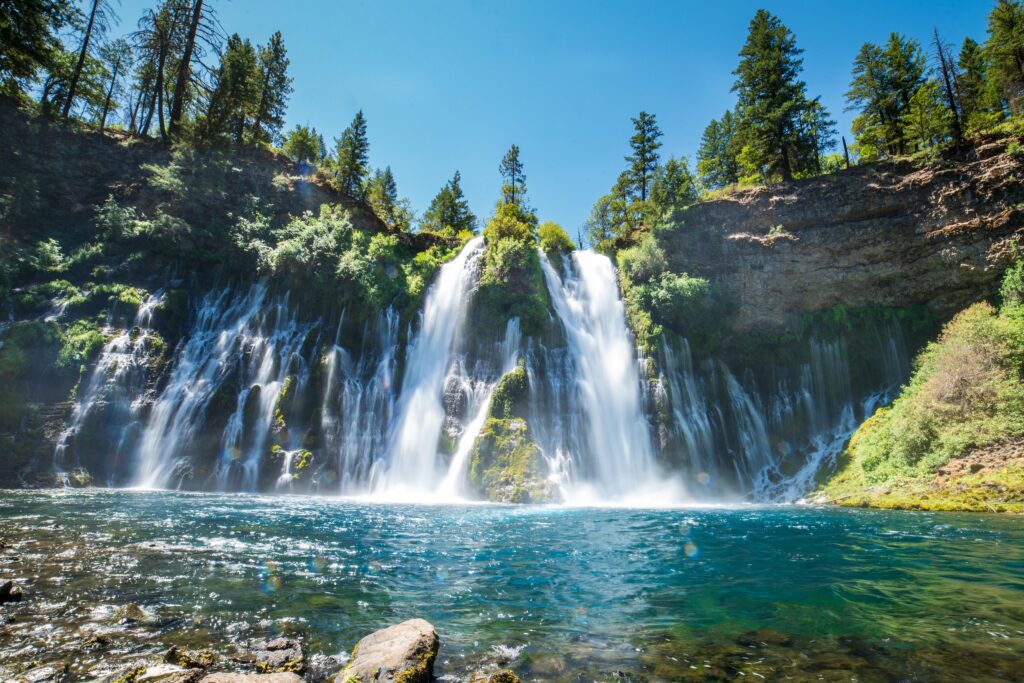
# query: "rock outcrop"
{"points": [[887, 234], [403, 653]]}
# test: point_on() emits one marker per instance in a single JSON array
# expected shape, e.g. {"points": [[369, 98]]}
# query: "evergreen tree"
{"points": [[116, 57], [352, 157], [884, 81], [1005, 49], [644, 159], [381, 194], [513, 189], [233, 102], [29, 40], [771, 97], [948, 73], [97, 23], [275, 87], [449, 212], [305, 146], [979, 100], [927, 120], [673, 187], [717, 158], [817, 135]]}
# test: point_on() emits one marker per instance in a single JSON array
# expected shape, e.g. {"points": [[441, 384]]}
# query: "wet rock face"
{"points": [[888, 234], [403, 653]]}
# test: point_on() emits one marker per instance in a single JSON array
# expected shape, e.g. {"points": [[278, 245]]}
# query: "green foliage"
{"points": [[644, 158], [673, 188], [513, 189], [505, 464], [381, 195], [782, 131], [553, 238], [511, 396], [718, 157], [235, 97], [642, 262], [305, 146], [29, 42], [80, 343], [1011, 293], [967, 391], [448, 213], [1005, 51], [352, 158], [114, 221], [512, 283], [979, 96]]}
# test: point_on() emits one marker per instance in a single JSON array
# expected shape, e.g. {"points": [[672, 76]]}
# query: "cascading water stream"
{"points": [[413, 468], [116, 381], [617, 458]]}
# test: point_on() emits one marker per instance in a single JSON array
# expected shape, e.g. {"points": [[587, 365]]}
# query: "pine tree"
{"points": [[673, 187], [771, 95], [979, 100], [884, 81], [717, 162], [185, 68], [352, 158], [305, 146], [381, 194], [644, 159], [233, 102], [948, 72], [1005, 47], [116, 56], [513, 190], [449, 212], [275, 87], [97, 23], [29, 40]]}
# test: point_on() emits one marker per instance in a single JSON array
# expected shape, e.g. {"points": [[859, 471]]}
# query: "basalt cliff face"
{"points": [[891, 234]]}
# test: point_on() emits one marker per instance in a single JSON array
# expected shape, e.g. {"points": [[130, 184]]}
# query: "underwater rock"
{"points": [[500, 676], [10, 592], [129, 614], [191, 659], [404, 652]]}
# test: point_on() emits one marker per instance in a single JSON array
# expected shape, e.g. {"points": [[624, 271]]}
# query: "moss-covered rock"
{"points": [[506, 465]]}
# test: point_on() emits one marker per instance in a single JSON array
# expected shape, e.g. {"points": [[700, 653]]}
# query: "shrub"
{"points": [[1012, 290], [642, 262], [553, 239]]}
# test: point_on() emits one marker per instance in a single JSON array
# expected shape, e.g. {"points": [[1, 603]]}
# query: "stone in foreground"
{"points": [[252, 678], [403, 653]]}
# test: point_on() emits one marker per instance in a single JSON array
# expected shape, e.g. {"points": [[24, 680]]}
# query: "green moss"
{"points": [[510, 395], [80, 343], [505, 464]]}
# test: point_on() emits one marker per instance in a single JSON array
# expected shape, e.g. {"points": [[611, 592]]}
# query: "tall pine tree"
{"points": [[513, 189], [644, 159], [275, 87], [717, 159], [352, 157], [1005, 48], [449, 212]]}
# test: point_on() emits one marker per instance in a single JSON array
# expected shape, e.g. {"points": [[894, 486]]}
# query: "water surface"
{"points": [[785, 593]]}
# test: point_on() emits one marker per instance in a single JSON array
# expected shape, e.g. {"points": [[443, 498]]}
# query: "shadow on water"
{"points": [[784, 593]]}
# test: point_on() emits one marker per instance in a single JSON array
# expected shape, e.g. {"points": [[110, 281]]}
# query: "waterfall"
{"points": [[452, 485], [116, 383], [357, 404], [413, 467], [614, 459], [241, 342]]}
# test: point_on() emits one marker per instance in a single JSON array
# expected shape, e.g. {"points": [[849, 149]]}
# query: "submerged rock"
{"points": [[193, 659], [403, 653], [130, 613], [10, 592], [500, 676]]}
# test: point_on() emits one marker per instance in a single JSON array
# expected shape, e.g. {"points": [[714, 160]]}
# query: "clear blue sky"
{"points": [[451, 84]]}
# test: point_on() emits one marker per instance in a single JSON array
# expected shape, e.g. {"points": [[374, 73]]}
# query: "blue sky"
{"points": [[452, 84]]}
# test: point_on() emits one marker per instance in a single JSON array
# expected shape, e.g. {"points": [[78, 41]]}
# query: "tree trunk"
{"points": [[160, 86], [81, 60], [110, 95], [178, 105]]}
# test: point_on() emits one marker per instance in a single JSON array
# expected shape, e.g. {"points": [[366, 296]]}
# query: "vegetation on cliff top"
{"points": [[966, 396]]}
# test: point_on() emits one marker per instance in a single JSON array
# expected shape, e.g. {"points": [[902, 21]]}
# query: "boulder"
{"points": [[403, 653], [500, 676], [168, 673], [191, 659], [251, 678]]}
